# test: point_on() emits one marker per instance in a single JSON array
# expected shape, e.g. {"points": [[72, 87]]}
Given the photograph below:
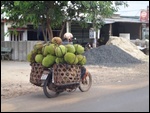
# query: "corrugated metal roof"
{"points": [[113, 20], [108, 22]]}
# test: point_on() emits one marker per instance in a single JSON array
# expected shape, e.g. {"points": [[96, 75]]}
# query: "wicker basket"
{"points": [[36, 73], [65, 74]]}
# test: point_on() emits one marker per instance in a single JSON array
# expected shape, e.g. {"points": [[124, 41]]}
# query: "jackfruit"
{"points": [[33, 54], [81, 59], [56, 40], [45, 50], [51, 49], [79, 49], [39, 58], [59, 60], [48, 61], [29, 57], [60, 51], [38, 46], [70, 48], [76, 60], [39, 51], [70, 58]]}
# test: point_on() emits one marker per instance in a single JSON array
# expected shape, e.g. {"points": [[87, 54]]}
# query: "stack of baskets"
{"points": [[64, 74], [36, 73]]}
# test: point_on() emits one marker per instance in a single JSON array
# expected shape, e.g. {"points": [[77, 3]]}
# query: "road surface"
{"points": [[107, 98]]}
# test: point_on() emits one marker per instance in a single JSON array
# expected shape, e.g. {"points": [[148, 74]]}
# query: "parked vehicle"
{"points": [[88, 47]]}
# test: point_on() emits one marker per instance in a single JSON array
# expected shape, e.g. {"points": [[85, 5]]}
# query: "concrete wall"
{"points": [[20, 48]]}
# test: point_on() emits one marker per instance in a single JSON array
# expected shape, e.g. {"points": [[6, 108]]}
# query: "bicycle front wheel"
{"points": [[86, 82]]}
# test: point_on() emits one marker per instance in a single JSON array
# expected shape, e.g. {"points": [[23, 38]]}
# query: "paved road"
{"points": [[113, 98]]}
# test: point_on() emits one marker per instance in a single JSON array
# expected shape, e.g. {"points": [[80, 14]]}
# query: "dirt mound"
{"points": [[127, 46]]}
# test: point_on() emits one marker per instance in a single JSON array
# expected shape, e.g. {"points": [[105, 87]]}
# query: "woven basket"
{"points": [[65, 74], [36, 73]]}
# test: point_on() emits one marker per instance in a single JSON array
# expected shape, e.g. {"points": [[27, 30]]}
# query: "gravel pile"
{"points": [[109, 55]]}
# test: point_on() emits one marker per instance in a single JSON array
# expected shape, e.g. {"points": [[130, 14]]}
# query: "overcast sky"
{"points": [[134, 8]]}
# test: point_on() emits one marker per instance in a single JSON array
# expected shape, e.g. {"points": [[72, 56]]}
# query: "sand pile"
{"points": [[127, 46]]}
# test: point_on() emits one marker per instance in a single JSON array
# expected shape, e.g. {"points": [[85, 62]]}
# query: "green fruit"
{"points": [[48, 61], [51, 49], [33, 54], [35, 51], [45, 62], [59, 60], [76, 60], [45, 50], [79, 49], [81, 59], [38, 46], [29, 57], [39, 58], [60, 51], [70, 58], [70, 48], [39, 51]]}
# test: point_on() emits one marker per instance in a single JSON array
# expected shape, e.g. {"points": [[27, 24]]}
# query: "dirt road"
{"points": [[15, 77], [113, 98]]}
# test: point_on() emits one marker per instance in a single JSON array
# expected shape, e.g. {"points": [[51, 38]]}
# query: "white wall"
{"points": [[7, 35], [25, 35]]}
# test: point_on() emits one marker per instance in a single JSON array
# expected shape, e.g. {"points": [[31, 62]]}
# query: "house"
{"points": [[131, 27]]}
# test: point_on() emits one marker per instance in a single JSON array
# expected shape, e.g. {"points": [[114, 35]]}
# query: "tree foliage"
{"points": [[54, 14]]}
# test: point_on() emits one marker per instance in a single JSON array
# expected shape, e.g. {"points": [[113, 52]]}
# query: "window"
{"points": [[16, 37]]}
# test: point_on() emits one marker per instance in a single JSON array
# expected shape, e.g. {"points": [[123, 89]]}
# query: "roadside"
{"points": [[15, 77]]}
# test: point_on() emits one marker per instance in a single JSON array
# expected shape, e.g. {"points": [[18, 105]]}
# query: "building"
{"points": [[23, 43], [129, 26], [113, 26]]}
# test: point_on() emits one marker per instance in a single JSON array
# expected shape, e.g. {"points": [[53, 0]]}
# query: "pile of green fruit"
{"points": [[54, 52]]}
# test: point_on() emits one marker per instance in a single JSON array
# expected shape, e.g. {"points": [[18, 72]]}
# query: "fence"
{"points": [[20, 48]]}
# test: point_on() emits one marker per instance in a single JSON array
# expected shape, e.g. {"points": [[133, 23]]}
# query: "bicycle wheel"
{"points": [[85, 83]]}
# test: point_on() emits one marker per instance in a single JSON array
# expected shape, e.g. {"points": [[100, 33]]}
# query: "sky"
{"points": [[133, 9]]}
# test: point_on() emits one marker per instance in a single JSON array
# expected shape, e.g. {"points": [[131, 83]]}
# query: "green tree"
{"points": [[54, 14]]}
